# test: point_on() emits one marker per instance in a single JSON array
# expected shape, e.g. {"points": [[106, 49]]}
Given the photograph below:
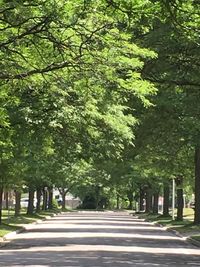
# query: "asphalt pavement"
{"points": [[97, 239]]}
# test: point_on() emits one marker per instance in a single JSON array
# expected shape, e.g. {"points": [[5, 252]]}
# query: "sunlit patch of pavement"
{"points": [[177, 251]]}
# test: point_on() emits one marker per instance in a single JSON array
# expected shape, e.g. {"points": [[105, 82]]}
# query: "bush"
{"points": [[55, 204], [89, 202]]}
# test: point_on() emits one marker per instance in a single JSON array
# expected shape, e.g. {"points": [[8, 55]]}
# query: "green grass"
{"points": [[167, 221], [185, 226], [5, 229], [149, 217], [196, 237], [188, 213], [11, 223]]}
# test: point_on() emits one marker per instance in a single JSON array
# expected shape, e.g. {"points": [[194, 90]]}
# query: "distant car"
{"points": [[59, 200], [24, 203], [192, 205]]}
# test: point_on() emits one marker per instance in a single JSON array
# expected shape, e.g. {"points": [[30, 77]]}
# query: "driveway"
{"points": [[97, 239]]}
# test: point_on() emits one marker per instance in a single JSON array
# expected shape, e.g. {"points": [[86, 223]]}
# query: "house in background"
{"points": [[8, 199]]}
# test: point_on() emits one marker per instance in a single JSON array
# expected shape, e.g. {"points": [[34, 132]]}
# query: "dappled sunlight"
{"points": [[97, 241], [95, 258]]}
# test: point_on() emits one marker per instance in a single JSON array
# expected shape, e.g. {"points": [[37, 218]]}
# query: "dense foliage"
{"points": [[99, 98]]}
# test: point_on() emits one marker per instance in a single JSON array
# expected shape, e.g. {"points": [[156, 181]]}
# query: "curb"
{"points": [[5, 239], [188, 239], [193, 241], [174, 232], [168, 229]]}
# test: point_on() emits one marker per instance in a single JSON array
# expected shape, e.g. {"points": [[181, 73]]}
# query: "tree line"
{"points": [[100, 98]]}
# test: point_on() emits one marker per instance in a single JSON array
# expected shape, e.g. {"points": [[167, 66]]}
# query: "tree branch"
{"points": [[173, 82], [51, 67], [34, 29]]}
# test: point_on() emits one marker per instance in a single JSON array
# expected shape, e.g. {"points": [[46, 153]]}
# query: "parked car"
{"points": [[24, 202], [192, 205], [58, 199]]}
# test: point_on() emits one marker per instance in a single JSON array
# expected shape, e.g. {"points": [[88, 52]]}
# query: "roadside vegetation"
{"points": [[185, 227], [12, 223]]}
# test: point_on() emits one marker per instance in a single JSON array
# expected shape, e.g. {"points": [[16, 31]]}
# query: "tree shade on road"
{"points": [[97, 239]]}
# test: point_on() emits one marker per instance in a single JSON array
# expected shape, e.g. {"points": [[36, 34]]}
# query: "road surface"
{"points": [[97, 239]]}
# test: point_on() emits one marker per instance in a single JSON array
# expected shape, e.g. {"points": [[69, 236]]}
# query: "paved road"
{"points": [[97, 239]]}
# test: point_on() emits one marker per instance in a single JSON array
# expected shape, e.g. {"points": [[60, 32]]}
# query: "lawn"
{"points": [[185, 226], [5, 229], [11, 223], [196, 237]]}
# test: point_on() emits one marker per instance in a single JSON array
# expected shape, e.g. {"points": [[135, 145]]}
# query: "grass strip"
{"points": [[183, 227], [12, 223], [196, 237]]}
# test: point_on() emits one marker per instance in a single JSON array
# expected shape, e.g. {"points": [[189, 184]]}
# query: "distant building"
{"points": [[8, 199]]}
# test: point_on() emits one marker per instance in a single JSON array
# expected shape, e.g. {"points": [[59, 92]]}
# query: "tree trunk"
{"points": [[117, 201], [1, 200], [45, 198], [17, 202], [30, 208], [63, 200], [38, 196], [130, 199], [141, 200], [166, 200], [179, 204], [155, 202], [197, 186], [7, 200], [50, 198], [151, 202], [130, 206], [148, 198], [97, 196]]}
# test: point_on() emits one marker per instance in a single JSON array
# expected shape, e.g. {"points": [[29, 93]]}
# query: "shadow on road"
{"points": [[92, 240]]}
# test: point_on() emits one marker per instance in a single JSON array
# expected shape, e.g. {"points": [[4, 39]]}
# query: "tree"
{"points": [[76, 84], [173, 35]]}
